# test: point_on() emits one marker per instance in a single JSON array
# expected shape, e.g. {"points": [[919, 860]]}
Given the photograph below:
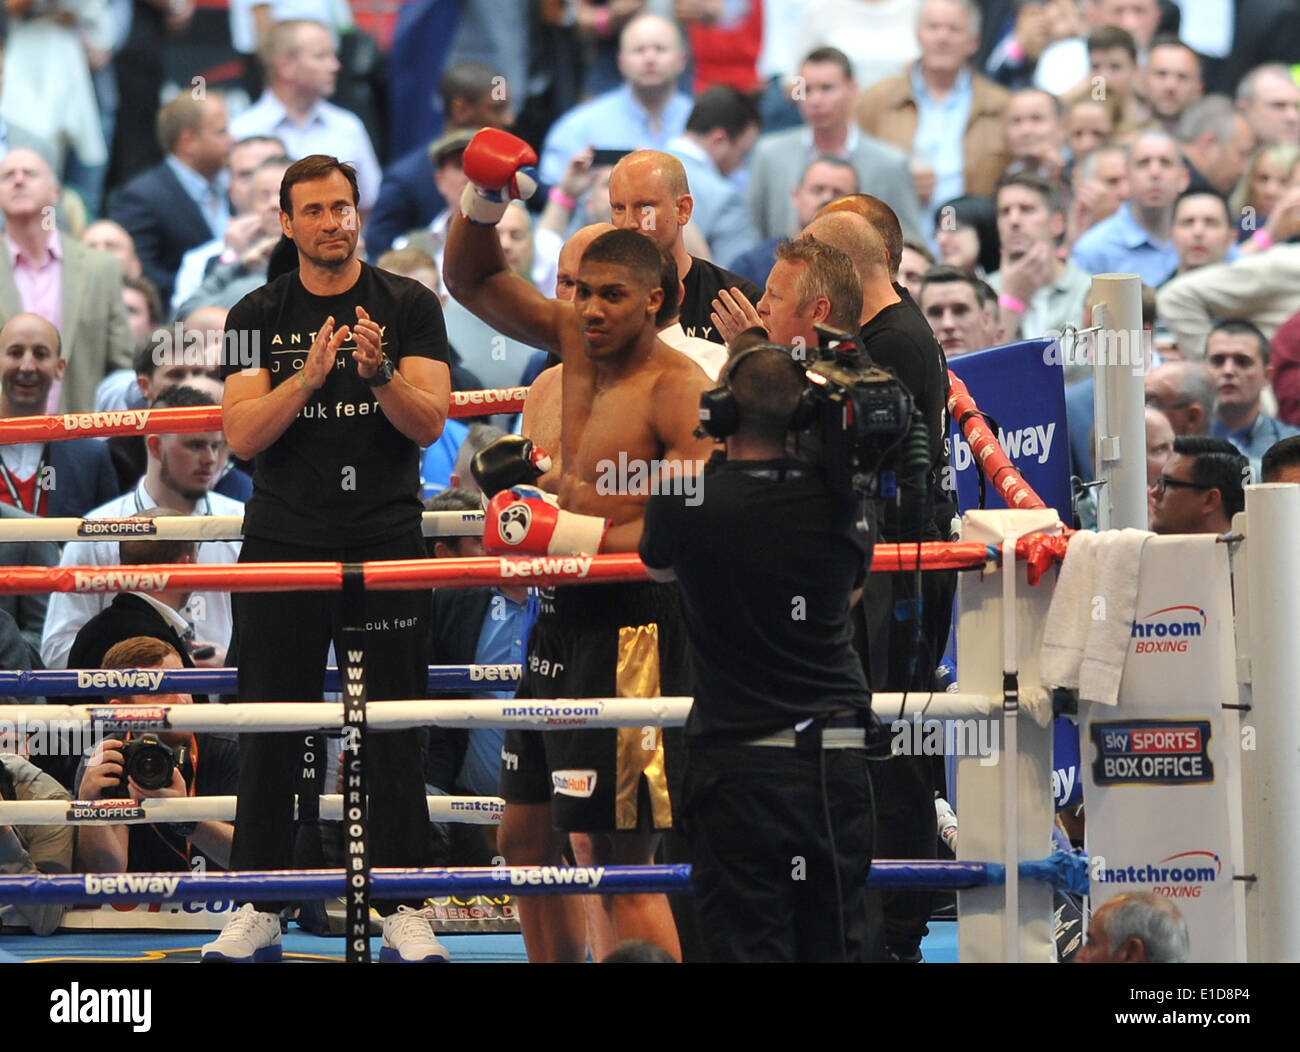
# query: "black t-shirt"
{"points": [[340, 473], [702, 283], [765, 565], [151, 848], [900, 339]]}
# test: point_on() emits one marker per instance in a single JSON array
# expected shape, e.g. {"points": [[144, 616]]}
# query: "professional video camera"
{"points": [[865, 421], [854, 419]]}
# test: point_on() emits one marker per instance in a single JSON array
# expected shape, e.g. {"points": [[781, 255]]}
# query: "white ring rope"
{"points": [[472, 810], [284, 716], [196, 528]]}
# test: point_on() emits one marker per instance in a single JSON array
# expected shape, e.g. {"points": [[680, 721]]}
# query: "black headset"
{"points": [[720, 412]]}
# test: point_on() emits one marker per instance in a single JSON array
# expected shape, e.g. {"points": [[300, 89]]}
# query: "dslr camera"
{"points": [[150, 761]]}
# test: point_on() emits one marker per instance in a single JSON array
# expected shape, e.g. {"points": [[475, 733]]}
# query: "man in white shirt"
{"points": [[301, 72], [181, 472]]}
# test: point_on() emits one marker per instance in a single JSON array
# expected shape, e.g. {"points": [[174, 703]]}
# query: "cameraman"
{"points": [[777, 798], [208, 765]]}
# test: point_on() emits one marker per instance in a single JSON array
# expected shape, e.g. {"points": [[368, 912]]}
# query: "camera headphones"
{"points": [[720, 412]]}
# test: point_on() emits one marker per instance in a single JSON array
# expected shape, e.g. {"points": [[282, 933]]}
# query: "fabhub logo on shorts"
{"points": [[1168, 631], [1152, 752], [1180, 876], [574, 783]]}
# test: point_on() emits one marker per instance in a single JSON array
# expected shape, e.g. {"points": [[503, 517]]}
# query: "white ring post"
{"points": [[1118, 403], [1273, 569], [1006, 813]]}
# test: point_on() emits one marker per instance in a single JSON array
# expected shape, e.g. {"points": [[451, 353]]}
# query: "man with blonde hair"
{"points": [[812, 283], [301, 72]]}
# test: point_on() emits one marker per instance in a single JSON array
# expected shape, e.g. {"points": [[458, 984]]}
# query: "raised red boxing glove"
{"points": [[525, 521], [500, 169], [511, 460]]}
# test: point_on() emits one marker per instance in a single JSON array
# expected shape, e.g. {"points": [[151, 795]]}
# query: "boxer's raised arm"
{"points": [[474, 268]]}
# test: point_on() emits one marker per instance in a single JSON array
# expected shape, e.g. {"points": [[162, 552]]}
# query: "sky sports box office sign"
{"points": [[1162, 768]]}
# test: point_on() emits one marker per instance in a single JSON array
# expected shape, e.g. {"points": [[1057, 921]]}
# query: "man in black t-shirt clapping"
{"points": [[336, 373], [776, 804]]}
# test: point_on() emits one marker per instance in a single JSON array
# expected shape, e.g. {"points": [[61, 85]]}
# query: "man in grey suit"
{"points": [[825, 92], [86, 302]]}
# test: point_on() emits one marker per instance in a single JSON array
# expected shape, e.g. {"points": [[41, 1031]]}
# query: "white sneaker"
{"points": [[249, 937], [409, 938]]}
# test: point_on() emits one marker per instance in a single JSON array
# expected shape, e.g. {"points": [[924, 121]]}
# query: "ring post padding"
{"points": [[981, 781], [1119, 413], [1273, 573]]}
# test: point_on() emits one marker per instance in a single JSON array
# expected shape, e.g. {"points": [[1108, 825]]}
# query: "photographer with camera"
{"points": [[152, 767], [777, 804]]}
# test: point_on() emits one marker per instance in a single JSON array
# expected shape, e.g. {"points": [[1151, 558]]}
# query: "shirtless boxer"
{"points": [[541, 423], [625, 394]]}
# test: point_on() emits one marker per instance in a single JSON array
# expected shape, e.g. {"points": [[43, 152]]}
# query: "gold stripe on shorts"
{"points": [[640, 749]]}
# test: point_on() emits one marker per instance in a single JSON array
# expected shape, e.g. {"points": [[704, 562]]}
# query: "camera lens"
{"points": [[150, 762]]}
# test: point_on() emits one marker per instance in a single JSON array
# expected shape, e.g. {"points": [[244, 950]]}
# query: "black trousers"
{"points": [[282, 641], [905, 785], [762, 865]]}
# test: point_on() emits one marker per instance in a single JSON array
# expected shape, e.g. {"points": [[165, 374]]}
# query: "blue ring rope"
{"points": [[63, 682], [265, 885]]}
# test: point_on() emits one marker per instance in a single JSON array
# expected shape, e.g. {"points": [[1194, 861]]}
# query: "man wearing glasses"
{"points": [[1200, 487]]}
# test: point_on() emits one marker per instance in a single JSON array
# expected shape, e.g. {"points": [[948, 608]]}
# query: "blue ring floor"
{"points": [[940, 947]]}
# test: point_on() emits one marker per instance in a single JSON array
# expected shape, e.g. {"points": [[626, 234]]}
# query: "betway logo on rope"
{"points": [[489, 397], [131, 679], [119, 581], [132, 884], [541, 566], [136, 418], [1034, 441], [588, 875], [494, 672], [1167, 631]]}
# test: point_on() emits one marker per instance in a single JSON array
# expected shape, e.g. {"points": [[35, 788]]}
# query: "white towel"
{"points": [[1119, 557], [1069, 619]]}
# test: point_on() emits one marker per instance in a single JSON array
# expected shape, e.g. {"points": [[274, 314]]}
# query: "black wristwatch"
{"points": [[185, 829], [383, 374]]}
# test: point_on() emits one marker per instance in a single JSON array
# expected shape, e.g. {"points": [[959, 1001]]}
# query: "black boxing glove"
{"points": [[511, 460]]}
